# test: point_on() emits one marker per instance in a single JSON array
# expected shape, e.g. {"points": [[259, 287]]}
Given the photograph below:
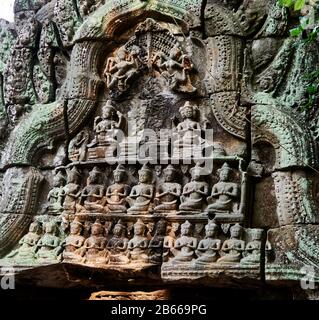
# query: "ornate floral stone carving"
{"points": [[75, 75]]}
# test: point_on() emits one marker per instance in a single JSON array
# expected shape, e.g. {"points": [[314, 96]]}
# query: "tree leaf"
{"points": [[299, 4]]}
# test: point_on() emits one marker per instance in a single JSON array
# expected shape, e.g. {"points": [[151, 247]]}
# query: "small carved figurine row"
{"points": [[69, 197], [117, 249]]}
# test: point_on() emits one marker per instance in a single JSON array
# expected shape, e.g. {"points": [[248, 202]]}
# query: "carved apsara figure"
{"points": [[73, 244], [117, 245], [209, 247], [157, 242], [168, 193], [26, 253], [71, 191], [195, 192], [253, 248], [92, 194], [185, 246], [138, 245], [55, 197], [49, 246], [117, 193], [225, 194], [78, 145], [95, 245], [142, 194], [175, 69], [120, 71], [233, 248]]}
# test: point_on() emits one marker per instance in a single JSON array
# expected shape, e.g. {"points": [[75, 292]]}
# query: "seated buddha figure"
{"points": [[195, 192], [71, 191], [185, 246], [188, 132], [95, 245], [138, 245], [117, 245], [26, 253], [92, 194], [49, 246], [73, 243], [253, 248], [117, 193], [157, 242], [208, 248], [142, 194], [233, 248], [106, 127], [225, 194], [56, 195], [168, 193]]}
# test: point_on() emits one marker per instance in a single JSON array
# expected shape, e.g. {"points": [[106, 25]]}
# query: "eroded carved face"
{"points": [[75, 229], [118, 176], [169, 175], [211, 232], [144, 177], [50, 228], [224, 175], [96, 230], [117, 231], [138, 230], [185, 230], [108, 113]]}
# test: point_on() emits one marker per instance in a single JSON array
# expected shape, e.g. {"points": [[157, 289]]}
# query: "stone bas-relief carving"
{"points": [[87, 76]]}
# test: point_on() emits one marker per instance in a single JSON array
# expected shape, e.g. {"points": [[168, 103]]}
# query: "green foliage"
{"points": [[296, 4], [308, 31]]}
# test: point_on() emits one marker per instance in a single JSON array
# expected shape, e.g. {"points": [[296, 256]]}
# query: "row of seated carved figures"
{"points": [[99, 245], [108, 131], [143, 198]]}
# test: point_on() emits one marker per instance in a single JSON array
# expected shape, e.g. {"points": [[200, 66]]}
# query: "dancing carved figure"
{"points": [[92, 194], [73, 243], [233, 248], [120, 71], [175, 69], [185, 246], [253, 248], [49, 246], [225, 194], [55, 197], [208, 248], [118, 244], [138, 245], [116, 194], [95, 245], [168, 193], [195, 192], [142, 194]]}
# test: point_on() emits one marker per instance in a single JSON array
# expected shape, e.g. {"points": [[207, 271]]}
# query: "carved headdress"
{"points": [[145, 168], [77, 222], [120, 168], [186, 106], [211, 225], [186, 224]]}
